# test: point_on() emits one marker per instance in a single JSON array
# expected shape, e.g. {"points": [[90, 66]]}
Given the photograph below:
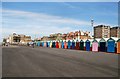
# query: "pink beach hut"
{"points": [[95, 45], [44, 44]]}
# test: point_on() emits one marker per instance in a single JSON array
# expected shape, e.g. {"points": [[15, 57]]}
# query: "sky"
{"points": [[60, 0], [39, 19]]}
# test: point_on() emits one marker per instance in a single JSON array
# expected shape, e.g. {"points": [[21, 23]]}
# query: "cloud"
{"points": [[69, 5], [40, 23], [41, 17]]}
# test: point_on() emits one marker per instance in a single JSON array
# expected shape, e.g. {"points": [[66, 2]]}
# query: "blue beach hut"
{"points": [[111, 45], [38, 43], [73, 44], [43, 44], [69, 44], [62, 44], [87, 45]]}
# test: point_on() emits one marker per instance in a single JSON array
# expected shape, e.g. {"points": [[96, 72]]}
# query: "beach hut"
{"points": [[45, 44], [50, 44], [53, 43], [87, 45], [111, 45], [94, 45], [65, 44], [77, 45], [81, 45], [69, 44], [118, 46], [42, 44], [73, 44], [57, 44], [102, 46], [38, 43], [62, 44]]}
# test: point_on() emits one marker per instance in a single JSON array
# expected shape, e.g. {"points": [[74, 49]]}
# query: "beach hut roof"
{"points": [[77, 40], [115, 38], [81, 41], [110, 39], [118, 40], [87, 40], [102, 40], [94, 40], [84, 40], [106, 39], [98, 39], [69, 41]]}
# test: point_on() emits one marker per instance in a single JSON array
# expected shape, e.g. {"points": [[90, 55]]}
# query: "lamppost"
{"points": [[92, 24]]}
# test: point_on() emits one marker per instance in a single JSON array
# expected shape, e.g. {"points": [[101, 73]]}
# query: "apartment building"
{"points": [[18, 38], [115, 32], [102, 31]]}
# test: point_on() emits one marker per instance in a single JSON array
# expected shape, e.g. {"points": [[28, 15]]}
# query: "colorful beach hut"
{"points": [[50, 44], [53, 44], [81, 45], [87, 45], [111, 45], [57, 44], [102, 46], [45, 44], [95, 45], [42, 44], [62, 44], [77, 45], [69, 44], [73, 44], [65, 44], [38, 43]]}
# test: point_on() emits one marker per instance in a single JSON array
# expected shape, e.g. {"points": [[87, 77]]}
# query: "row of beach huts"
{"points": [[110, 45]]}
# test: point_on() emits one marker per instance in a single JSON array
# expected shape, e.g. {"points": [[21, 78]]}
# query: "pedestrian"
{"points": [[32, 44], [28, 44]]}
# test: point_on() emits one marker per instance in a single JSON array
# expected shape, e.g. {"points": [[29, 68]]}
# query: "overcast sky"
{"points": [[44, 18]]}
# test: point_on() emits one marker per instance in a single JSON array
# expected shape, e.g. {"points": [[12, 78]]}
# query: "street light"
{"points": [[92, 24]]}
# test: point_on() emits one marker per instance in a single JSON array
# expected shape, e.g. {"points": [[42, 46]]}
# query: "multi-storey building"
{"points": [[115, 32], [102, 31], [16, 38]]}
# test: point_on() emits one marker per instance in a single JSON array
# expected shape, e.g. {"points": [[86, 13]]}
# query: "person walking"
{"points": [[32, 44]]}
